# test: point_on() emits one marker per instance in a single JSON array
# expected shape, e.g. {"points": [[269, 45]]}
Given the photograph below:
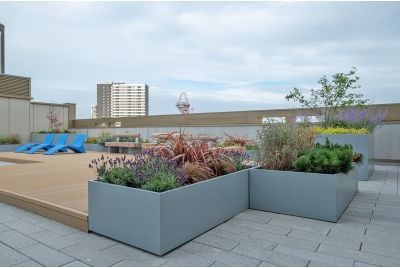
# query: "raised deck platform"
{"points": [[52, 186]]}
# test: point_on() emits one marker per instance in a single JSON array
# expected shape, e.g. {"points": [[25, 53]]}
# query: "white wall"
{"points": [[20, 116], [14, 117]]}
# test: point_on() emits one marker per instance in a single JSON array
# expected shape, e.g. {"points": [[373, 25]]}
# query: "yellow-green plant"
{"points": [[340, 130]]}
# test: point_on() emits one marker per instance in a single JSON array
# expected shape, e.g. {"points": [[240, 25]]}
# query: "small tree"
{"points": [[54, 123], [332, 96]]}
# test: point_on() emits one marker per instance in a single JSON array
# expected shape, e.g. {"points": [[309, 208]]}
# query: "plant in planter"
{"points": [[169, 191], [326, 159], [332, 96], [91, 140], [145, 171], [300, 178], [280, 143], [11, 139], [346, 117], [105, 137]]}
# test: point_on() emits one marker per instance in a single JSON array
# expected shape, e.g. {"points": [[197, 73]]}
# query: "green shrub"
{"points": [[160, 182], [105, 137], [279, 144], [118, 175], [92, 140], [328, 159], [11, 139]]}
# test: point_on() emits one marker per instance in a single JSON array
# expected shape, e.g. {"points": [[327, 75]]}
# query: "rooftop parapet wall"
{"points": [[238, 118]]}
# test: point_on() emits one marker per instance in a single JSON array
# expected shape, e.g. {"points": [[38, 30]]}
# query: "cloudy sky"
{"points": [[225, 55]]}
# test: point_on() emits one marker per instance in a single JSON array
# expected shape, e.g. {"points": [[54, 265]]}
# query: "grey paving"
{"points": [[368, 234]]}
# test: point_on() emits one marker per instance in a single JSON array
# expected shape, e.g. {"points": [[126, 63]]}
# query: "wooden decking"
{"points": [[52, 186]]}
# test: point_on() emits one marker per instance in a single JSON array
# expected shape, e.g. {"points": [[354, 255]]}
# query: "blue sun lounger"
{"points": [[77, 146], [47, 140], [62, 139]]}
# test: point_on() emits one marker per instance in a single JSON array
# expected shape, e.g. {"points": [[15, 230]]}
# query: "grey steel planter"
{"points": [[310, 195], [95, 147], [160, 222], [39, 137], [362, 143], [9, 147]]}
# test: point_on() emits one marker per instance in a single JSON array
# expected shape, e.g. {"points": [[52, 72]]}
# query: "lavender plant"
{"points": [[137, 171], [353, 117]]}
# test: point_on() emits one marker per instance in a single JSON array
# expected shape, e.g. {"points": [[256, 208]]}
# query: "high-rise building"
{"points": [[2, 50], [104, 99], [122, 99]]}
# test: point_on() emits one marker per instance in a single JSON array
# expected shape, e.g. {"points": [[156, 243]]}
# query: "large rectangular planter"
{"points": [[310, 195], [9, 147], [160, 222], [362, 143]]}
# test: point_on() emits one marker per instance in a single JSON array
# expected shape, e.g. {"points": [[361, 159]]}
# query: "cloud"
{"points": [[216, 51]]}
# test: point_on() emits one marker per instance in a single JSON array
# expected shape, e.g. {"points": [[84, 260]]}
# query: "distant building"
{"points": [[104, 100], [122, 99], [93, 111]]}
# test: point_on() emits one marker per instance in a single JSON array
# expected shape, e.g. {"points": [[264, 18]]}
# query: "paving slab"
{"points": [[229, 258], [319, 257], [91, 256], [217, 241], [76, 264], [343, 242], [16, 240], [29, 263], [361, 256], [23, 227], [45, 255], [182, 258], [269, 256], [52, 240], [10, 257]]}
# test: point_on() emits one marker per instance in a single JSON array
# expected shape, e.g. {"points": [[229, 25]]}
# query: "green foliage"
{"points": [[332, 95], [92, 140], [105, 137], [160, 182], [280, 143], [11, 139], [251, 147], [328, 159], [118, 175]]}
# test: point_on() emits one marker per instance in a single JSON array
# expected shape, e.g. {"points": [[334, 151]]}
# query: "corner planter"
{"points": [[160, 222], [310, 195], [9, 147], [362, 143]]}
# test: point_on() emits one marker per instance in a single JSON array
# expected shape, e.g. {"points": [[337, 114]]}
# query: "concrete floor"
{"points": [[368, 234]]}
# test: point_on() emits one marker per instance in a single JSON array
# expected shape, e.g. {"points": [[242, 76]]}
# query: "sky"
{"points": [[227, 56]]}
